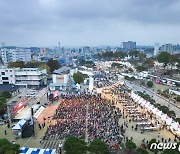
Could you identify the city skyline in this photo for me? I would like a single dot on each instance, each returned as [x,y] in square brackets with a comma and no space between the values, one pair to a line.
[89,22]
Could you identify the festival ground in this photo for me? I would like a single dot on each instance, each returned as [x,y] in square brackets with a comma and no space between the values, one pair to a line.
[34,142]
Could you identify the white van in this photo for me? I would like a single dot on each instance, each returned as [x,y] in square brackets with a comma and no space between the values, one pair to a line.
[170,83]
[32,93]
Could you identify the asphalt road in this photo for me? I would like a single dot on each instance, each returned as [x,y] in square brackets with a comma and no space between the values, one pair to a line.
[155,96]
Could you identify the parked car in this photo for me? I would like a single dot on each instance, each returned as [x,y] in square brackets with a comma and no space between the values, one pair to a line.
[2,122]
[31,93]
[170,83]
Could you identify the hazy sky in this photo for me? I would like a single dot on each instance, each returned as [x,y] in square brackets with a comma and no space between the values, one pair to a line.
[89,22]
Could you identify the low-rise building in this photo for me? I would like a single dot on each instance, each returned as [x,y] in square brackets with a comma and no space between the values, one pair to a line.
[60,79]
[28,77]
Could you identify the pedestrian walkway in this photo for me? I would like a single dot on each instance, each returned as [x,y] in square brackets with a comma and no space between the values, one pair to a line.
[86,133]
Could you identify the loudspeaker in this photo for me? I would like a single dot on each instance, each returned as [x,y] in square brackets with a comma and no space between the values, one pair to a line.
[27,130]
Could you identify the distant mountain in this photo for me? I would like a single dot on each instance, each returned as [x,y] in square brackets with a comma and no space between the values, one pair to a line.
[10,47]
[34,48]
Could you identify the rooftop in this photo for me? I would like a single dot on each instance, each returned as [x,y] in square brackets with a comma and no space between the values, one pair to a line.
[8,87]
[62,70]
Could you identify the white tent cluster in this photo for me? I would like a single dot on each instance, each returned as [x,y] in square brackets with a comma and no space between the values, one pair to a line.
[174,126]
[25,150]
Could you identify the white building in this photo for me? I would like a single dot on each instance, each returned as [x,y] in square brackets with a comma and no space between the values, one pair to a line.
[167,48]
[28,77]
[7,76]
[60,79]
[17,54]
[156,49]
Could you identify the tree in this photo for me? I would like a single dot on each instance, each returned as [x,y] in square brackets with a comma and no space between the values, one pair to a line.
[89,64]
[2,103]
[178,63]
[133,53]
[130,145]
[170,151]
[20,64]
[172,114]
[140,68]
[7,147]
[45,66]
[141,56]
[141,151]
[6,95]
[148,63]
[98,147]
[53,65]
[149,145]
[173,59]
[178,98]
[74,145]
[78,77]
[164,57]
[164,109]
[178,120]
[34,64]
[116,65]
[149,83]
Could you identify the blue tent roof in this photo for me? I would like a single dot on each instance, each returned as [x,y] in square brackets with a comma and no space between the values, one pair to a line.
[25,150]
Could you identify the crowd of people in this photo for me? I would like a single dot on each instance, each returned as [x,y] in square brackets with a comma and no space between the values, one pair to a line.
[103,119]
[70,118]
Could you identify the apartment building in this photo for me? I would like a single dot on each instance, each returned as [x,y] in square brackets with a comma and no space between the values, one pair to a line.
[17,54]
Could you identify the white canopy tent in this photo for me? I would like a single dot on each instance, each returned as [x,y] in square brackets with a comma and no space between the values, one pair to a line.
[169,120]
[137,98]
[147,104]
[163,117]
[19,125]
[175,125]
[155,110]
[143,102]
[159,113]
[150,107]
[140,100]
